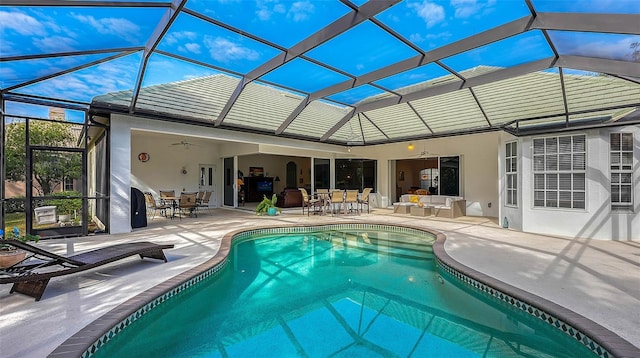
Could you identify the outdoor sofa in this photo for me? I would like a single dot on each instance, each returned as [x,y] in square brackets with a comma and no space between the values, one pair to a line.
[440,205]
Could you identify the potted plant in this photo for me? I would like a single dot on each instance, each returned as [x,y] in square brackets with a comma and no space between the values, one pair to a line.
[268,206]
[10,255]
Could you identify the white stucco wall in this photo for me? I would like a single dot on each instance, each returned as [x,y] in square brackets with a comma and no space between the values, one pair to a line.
[163,171]
[478,166]
[120,189]
[596,221]
[132,135]
[482,172]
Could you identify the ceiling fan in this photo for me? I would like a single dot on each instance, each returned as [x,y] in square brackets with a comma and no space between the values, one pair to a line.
[424,154]
[183,143]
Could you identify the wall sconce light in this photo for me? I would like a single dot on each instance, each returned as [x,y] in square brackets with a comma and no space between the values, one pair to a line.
[410,146]
[349,149]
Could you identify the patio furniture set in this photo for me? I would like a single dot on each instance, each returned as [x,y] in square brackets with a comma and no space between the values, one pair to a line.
[431,205]
[170,205]
[324,201]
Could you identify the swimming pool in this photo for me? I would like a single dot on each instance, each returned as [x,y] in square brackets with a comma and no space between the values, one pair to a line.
[359,290]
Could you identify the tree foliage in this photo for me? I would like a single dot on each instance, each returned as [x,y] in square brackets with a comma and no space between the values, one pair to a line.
[50,168]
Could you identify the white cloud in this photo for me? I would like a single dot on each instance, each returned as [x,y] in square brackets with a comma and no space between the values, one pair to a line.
[55,44]
[279,9]
[226,51]
[416,37]
[119,27]
[83,85]
[266,8]
[7,74]
[301,10]
[178,36]
[21,23]
[440,35]
[263,14]
[431,13]
[618,50]
[465,8]
[468,8]
[192,47]
[7,48]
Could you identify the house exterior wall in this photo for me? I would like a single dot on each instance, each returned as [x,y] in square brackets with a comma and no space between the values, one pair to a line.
[478,166]
[596,221]
[132,135]
[120,185]
[482,175]
[163,171]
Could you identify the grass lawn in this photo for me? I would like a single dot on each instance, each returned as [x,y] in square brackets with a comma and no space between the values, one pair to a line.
[19,220]
[15,219]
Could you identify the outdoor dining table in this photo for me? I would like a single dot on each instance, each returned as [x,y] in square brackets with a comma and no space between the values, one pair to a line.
[325,199]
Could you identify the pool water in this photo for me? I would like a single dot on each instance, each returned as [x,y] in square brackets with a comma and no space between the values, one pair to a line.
[351,293]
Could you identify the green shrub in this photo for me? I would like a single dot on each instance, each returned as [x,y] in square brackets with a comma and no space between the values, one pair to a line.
[14,205]
[66,206]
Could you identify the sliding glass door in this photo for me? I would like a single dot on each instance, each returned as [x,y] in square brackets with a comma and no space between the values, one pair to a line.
[355,174]
[449,176]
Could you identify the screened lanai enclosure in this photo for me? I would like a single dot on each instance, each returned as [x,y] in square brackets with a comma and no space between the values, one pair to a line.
[337,72]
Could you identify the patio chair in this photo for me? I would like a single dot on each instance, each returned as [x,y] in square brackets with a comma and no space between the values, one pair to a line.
[155,206]
[167,197]
[308,202]
[199,197]
[167,194]
[351,200]
[188,204]
[30,277]
[204,201]
[337,197]
[364,199]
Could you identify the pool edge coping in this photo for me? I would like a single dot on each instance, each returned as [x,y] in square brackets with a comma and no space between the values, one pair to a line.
[609,340]
[98,332]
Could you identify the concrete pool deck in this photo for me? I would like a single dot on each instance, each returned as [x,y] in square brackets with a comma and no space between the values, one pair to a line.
[597,279]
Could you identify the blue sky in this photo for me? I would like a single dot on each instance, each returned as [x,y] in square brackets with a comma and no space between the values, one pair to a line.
[282,24]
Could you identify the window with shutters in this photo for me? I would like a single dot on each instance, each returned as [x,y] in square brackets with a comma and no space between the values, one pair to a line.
[559,172]
[511,172]
[621,146]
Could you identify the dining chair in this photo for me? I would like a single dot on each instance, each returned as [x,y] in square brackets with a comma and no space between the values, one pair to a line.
[364,199]
[308,202]
[351,200]
[188,204]
[204,201]
[167,193]
[155,206]
[337,197]
[323,195]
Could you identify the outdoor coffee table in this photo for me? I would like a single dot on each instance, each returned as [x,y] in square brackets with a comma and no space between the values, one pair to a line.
[420,211]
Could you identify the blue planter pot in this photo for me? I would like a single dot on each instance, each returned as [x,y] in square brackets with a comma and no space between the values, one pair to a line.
[272,211]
